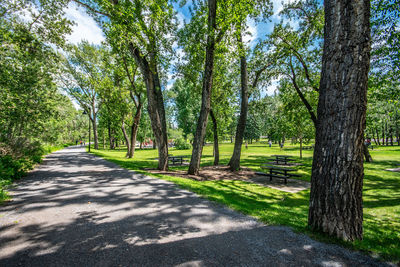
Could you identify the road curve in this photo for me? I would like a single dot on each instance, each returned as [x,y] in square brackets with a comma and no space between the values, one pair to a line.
[80,210]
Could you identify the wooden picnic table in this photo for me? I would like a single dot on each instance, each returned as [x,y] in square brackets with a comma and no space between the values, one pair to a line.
[281,159]
[278,172]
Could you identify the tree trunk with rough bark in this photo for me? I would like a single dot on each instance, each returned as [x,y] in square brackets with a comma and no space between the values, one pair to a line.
[234,163]
[337,173]
[198,140]
[215,131]
[155,103]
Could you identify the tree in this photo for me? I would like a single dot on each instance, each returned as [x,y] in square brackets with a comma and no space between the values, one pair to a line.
[29,98]
[146,29]
[337,170]
[206,89]
[83,79]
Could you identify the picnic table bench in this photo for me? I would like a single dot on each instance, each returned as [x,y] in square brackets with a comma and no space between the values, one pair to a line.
[308,147]
[176,160]
[278,172]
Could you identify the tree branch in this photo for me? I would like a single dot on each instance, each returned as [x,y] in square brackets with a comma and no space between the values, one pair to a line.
[91,8]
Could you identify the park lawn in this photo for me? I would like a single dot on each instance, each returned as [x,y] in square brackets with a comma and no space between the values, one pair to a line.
[381,192]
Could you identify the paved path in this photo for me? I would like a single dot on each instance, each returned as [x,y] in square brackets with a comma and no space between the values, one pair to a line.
[79,210]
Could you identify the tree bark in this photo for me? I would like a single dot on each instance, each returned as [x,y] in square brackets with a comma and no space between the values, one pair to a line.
[94,121]
[337,172]
[126,138]
[206,90]
[234,163]
[366,153]
[155,103]
[215,131]
[134,129]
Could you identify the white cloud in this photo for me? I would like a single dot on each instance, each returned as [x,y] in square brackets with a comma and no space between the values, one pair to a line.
[252,32]
[270,90]
[85,29]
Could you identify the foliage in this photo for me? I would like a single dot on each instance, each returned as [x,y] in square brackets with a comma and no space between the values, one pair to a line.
[181,144]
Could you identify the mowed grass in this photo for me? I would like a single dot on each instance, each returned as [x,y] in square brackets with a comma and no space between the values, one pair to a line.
[381,192]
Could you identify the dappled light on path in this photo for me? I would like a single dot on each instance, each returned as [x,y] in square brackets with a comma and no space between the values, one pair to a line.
[76,209]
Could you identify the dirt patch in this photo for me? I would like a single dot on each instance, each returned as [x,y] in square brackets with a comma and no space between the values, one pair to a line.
[222,172]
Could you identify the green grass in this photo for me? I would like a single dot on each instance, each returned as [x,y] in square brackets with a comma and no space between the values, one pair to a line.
[274,207]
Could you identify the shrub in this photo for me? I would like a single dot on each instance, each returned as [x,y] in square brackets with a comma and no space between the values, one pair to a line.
[181,144]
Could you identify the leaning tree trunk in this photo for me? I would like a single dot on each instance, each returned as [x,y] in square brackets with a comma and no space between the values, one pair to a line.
[155,103]
[206,90]
[337,172]
[215,131]
[134,129]
[128,145]
[234,163]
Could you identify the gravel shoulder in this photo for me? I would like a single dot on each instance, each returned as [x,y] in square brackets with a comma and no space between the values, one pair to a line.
[80,210]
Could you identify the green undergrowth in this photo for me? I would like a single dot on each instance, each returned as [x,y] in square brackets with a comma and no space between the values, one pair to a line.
[15,166]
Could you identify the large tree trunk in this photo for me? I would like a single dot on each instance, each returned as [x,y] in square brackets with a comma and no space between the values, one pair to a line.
[134,129]
[155,103]
[234,163]
[337,171]
[215,131]
[206,90]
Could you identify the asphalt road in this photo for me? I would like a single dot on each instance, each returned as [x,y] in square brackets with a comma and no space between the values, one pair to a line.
[80,210]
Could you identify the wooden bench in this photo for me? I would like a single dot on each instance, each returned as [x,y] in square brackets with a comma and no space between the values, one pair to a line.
[176,160]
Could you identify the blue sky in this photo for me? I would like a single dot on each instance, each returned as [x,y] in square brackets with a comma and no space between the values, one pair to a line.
[87,29]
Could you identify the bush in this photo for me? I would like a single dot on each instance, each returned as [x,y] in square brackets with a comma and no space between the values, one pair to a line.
[18,157]
[181,144]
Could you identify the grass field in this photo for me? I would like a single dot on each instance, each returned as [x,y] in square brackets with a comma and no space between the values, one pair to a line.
[381,192]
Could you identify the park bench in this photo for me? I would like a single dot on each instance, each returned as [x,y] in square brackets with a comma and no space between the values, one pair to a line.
[176,160]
